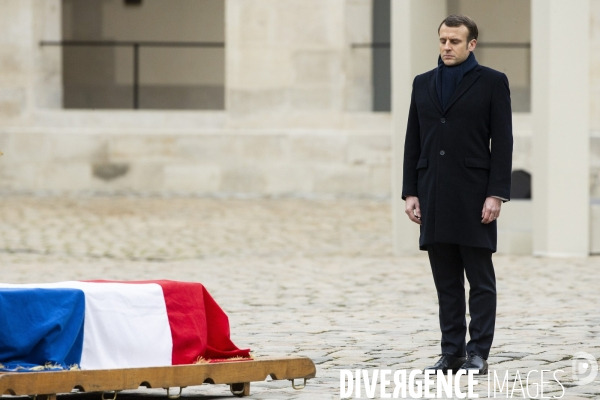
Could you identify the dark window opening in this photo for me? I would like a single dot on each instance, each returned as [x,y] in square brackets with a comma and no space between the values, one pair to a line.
[520,185]
[381,61]
[151,56]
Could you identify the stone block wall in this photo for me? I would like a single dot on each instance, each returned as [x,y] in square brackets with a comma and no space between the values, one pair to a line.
[297,118]
[219,161]
[285,56]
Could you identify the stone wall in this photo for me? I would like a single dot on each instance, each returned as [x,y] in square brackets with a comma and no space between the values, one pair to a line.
[169,77]
[172,157]
[295,57]
[30,75]
[297,119]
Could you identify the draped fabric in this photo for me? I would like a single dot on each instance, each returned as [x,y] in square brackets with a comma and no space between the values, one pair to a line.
[121,325]
[41,326]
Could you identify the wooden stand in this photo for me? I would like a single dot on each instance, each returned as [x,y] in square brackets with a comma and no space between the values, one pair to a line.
[237,375]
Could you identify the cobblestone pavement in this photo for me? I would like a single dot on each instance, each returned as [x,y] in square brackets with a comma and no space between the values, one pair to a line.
[306,277]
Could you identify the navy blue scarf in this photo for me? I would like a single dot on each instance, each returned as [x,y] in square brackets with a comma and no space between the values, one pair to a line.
[448,78]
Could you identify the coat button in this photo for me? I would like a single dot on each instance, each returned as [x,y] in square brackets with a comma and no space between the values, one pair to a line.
[443,120]
[442,152]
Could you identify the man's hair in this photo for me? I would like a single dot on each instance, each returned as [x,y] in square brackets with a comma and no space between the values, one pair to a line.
[455,20]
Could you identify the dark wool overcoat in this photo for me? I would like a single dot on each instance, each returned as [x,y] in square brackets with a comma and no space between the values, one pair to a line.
[455,158]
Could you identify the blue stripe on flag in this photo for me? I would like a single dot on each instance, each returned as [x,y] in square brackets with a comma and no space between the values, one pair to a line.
[41,327]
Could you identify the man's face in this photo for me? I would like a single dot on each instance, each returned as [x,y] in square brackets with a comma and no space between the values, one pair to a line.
[454,48]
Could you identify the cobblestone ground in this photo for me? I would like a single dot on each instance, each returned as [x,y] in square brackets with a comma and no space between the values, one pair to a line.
[304,277]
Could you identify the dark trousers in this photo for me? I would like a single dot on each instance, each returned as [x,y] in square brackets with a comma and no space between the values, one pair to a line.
[449,263]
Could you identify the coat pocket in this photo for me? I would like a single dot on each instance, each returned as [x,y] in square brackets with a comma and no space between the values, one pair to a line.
[477,162]
[422,163]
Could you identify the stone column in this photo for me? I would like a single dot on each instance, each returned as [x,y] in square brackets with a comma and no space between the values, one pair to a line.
[16,46]
[47,60]
[284,58]
[30,76]
[560,107]
[414,51]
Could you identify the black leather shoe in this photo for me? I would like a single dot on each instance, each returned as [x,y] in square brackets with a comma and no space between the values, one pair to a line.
[475,362]
[447,362]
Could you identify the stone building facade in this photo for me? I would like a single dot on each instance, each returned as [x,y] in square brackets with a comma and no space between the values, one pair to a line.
[285,107]
[296,118]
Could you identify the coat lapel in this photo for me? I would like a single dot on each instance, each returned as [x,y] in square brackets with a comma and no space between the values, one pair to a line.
[433,92]
[464,85]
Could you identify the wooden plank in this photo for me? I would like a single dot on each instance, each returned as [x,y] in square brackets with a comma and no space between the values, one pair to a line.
[30,383]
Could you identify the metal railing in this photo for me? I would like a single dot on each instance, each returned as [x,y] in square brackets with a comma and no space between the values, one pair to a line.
[386,45]
[135,45]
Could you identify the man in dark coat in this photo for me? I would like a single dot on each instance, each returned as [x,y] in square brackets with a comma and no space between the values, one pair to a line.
[457,167]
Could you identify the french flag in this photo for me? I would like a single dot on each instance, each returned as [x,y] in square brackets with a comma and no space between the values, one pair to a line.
[110,324]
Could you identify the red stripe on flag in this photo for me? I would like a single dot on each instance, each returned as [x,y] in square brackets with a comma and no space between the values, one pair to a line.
[199,327]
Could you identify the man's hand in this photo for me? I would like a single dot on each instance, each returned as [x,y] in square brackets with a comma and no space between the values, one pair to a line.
[413,210]
[491,210]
